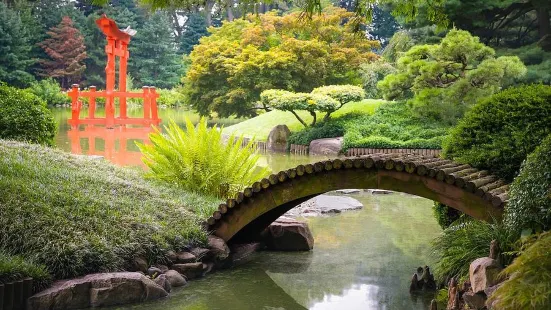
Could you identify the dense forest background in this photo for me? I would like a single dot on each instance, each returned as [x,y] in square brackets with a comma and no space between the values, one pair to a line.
[37,42]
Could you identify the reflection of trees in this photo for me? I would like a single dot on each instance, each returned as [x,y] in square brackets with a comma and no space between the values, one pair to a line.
[371,246]
[244,288]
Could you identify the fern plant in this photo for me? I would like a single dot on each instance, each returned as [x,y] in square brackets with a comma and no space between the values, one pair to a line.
[199,160]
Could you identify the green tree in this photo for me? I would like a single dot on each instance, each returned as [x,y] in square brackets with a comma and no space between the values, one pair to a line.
[231,67]
[155,61]
[194,29]
[444,80]
[15,49]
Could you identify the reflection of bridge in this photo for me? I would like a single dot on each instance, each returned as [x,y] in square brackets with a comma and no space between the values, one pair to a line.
[122,155]
[476,193]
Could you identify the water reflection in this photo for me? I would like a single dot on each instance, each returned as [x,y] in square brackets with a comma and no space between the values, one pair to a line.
[115,144]
[361,297]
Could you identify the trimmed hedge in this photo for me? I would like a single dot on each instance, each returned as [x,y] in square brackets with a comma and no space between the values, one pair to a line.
[529,206]
[498,133]
[24,117]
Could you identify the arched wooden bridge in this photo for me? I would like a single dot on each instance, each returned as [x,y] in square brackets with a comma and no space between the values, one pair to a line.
[474,192]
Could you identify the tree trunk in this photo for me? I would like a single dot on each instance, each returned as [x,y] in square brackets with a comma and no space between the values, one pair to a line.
[229,10]
[544,25]
[208,12]
[314,116]
[299,119]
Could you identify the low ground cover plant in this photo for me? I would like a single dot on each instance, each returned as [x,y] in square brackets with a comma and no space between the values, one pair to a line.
[14,268]
[78,216]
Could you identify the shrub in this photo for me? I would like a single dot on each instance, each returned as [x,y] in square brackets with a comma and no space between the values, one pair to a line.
[197,160]
[24,117]
[335,127]
[372,73]
[528,285]
[393,126]
[463,242]
[501,131]
[529,206]
[14,268]
[170,98]
[445,216]
[50,91]
[78,216]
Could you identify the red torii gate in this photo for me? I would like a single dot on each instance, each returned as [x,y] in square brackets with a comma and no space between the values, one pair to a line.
[117,46]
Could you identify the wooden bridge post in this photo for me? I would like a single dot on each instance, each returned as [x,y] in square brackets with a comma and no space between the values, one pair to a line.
[110,83]
[92,103]
[123,59]
[154,95]
[146,104]
[75,104]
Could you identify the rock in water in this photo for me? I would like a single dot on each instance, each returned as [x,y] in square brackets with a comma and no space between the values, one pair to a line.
[277,139]
[325,204]
[163,282]
[97,290]
[483,273]
[190,270]
[475,300]
[219,250]
[327,146]
[288,235]
[175,278]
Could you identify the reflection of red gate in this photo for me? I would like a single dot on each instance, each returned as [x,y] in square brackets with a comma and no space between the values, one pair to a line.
[117,46]
[121,155]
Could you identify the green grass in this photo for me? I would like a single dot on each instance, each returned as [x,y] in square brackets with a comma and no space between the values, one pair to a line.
[77,215]
[14,268]
[260,126]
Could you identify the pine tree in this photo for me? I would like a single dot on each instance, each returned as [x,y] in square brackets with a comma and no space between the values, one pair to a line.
[194,29]
[67,52]
[153,53]
[14,49]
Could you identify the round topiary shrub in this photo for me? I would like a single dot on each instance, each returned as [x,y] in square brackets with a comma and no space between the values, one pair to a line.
[499,132]
[529,205]
[24,117]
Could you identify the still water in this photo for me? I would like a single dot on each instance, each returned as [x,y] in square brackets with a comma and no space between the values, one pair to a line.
[361,259]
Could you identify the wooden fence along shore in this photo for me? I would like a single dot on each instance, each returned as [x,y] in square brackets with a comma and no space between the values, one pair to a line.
[365,151]
[14,295]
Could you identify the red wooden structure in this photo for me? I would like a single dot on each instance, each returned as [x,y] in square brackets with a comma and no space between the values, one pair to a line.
[117,46]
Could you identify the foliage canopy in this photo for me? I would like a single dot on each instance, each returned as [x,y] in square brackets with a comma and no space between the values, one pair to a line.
[500,132]
[231,67]
[444,80]
[529,206]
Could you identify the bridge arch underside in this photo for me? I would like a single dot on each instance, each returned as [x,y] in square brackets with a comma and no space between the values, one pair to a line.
[244,218]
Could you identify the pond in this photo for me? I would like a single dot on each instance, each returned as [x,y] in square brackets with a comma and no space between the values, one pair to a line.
[361,259]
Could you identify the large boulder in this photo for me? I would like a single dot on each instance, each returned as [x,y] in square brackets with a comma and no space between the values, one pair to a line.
[483,273]
[475,300]
[97,290]
[325,204]
[190,270]
[219,250]
[286,234]
[175,278]
[184,258]
[277,139]
[327,146]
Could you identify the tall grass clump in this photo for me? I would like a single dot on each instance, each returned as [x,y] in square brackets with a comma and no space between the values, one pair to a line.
[199,160]
[14,268]
[78,216]
[529,278]
[463,242]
